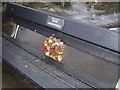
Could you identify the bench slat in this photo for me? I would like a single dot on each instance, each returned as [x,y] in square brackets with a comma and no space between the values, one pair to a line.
[78,69]
[90,33]
[37,71]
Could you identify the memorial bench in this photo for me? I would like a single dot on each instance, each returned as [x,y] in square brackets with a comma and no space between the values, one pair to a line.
[91,60]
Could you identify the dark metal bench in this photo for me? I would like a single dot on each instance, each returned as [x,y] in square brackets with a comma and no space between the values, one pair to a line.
[91,60]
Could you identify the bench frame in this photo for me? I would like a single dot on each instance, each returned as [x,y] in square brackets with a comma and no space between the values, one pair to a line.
[89,33]
[76,32]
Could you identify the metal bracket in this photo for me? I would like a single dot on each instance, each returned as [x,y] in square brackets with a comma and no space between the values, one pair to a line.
[117,86]
[16,29]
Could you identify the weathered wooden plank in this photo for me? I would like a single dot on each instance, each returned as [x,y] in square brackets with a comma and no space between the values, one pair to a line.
[29,70]
[94,74]
[93,34]
[82,45]
[82,66]
[28,58]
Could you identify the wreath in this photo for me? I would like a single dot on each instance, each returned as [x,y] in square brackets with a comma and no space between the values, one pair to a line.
[54,48]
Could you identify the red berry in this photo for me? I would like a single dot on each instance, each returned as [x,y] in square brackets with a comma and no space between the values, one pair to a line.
[53,47]
[61,51]
[57,59]
[51,51]
[46,41]
[55,53]
[44,49]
